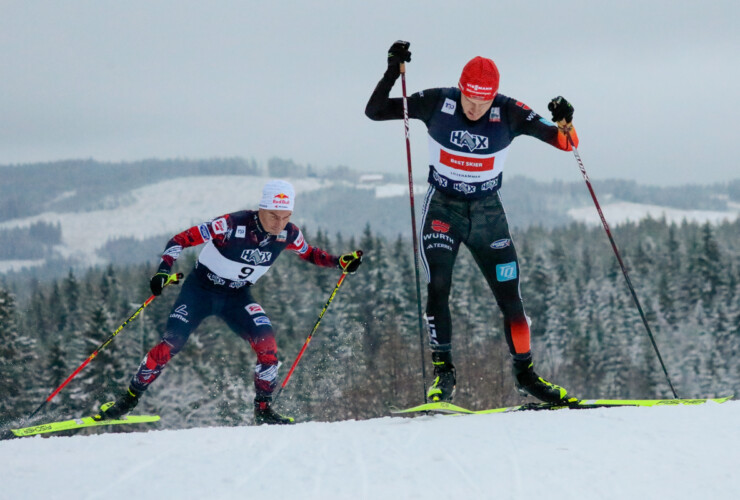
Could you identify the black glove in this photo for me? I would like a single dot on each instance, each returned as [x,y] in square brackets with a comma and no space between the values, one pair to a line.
[349,262]
[158,282]
[399,53]
[560,109]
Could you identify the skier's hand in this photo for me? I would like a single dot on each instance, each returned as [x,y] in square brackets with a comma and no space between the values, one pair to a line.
[349,262]
[158,282]
[562,112]
[399,53]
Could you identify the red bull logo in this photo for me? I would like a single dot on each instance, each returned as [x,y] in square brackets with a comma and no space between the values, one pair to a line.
[281,199]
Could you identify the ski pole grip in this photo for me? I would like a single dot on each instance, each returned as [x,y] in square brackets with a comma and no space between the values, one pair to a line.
[403,67]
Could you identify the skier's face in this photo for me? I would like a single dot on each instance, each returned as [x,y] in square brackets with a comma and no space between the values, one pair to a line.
[274,221]
[474,109]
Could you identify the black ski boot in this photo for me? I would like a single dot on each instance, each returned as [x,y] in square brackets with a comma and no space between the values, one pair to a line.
[264,414]
[443,387]
[528,382]
[122,406]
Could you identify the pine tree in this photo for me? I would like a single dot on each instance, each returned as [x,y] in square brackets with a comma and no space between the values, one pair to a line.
[17,363]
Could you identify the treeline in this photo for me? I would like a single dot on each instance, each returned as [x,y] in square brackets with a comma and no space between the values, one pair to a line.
[587,334]
[33,242]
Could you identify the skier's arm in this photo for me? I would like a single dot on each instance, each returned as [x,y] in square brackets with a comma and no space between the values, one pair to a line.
[314,255]
[216,230]
[382,107]
[525,121]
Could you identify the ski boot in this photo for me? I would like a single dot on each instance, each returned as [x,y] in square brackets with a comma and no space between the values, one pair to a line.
[443,387]
[122,406]
[528,382]
[264,414]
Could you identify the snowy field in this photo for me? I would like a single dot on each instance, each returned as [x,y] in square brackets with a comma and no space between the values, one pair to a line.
[165,207]
[618,453]
[622,212]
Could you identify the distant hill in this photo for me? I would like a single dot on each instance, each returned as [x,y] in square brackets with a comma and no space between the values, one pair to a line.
[82,213]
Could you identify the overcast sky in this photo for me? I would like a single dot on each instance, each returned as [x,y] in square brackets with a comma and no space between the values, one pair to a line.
[654,83]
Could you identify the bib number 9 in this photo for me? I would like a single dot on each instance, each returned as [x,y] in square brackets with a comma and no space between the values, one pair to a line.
[246,272]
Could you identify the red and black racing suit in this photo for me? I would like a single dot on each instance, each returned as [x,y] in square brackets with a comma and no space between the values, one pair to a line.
[462,204]
[238,252]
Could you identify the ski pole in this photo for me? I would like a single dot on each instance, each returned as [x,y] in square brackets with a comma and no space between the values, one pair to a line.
[621,263]
[310,335]
[173,279]
[413,228]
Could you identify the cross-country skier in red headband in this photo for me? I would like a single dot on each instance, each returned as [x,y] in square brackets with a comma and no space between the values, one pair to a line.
[471,127]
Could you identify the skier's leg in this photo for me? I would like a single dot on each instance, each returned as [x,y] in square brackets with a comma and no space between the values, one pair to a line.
[248,319]
[495,253]
[440,241]
[441,234]
[193,304]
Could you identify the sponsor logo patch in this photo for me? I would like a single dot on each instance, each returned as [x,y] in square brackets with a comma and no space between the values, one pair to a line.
[441,246]
[219,226]
[253,309]
[241,231]
[204,232]
[506,272]
[256,256]
[439,226]
[173,251]
[281,199]
[495,115]
[432,330]
[217,280]
[180,312]
[266,372]
[488,185]
[465,162]
[439,179]
[464,188]
[262,320]
[282,236]
[499,244]
[439,236]
[464,139]
[449,106]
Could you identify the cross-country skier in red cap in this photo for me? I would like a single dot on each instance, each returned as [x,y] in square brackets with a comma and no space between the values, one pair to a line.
[471,127]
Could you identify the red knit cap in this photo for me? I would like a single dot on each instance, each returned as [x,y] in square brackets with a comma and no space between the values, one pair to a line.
[479,79]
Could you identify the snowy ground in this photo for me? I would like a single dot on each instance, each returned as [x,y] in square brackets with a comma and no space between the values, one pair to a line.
[618,453]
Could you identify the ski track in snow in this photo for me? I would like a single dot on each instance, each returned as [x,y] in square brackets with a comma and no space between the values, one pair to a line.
[682,452]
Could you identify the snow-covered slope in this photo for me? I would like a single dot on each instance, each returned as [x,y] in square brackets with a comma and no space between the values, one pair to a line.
[623,211]
[618,453]
[162,208]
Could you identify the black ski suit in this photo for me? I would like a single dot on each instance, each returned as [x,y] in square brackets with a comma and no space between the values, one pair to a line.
[462,204]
